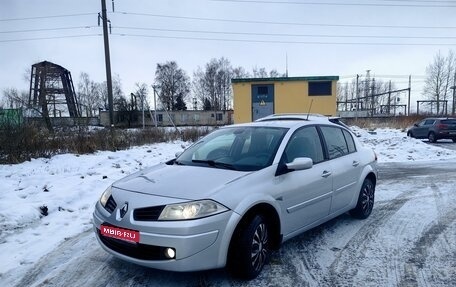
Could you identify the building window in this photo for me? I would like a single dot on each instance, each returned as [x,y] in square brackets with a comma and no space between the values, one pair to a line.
[263,90]
[321,88]
[219,117]
[196,117]
[160,117]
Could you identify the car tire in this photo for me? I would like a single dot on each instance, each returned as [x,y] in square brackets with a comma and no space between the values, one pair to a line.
[251,250]
[365,202]
[410,134]
[454,140]
[431,137]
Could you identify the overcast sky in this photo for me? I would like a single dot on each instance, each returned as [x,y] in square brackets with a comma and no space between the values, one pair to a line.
[315,35]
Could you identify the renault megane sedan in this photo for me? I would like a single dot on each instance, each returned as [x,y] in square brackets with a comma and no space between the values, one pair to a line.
[237,194]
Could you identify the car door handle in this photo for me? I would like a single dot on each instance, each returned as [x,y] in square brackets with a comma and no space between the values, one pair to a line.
[355,163]
[326,173]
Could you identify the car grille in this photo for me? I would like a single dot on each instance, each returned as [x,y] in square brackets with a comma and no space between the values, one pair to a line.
[135,250]
[111,204]
[148,213]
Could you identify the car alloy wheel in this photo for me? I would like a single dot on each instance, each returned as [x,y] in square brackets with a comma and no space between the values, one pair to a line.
[365,202]
[367,198]
[259,247]
[249,251]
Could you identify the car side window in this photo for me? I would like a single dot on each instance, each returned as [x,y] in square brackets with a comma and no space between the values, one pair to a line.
[335,141]
[429,122]
[304,143]
[350,142]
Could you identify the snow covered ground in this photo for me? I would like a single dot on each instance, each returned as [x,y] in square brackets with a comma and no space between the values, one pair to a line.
[65,188]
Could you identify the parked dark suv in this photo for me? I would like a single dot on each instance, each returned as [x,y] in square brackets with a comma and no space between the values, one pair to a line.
[434,129]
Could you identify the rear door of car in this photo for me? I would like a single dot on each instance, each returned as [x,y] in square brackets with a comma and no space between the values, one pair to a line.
[345,165]
[449,126]
[306,194]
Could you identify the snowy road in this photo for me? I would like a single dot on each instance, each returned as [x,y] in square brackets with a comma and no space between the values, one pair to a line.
[409,240]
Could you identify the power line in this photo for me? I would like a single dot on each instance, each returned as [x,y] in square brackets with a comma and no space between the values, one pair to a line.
[337,4]
[49,38]
[285,42]
[286,23]
[48,29]
[284,34]
[46,17]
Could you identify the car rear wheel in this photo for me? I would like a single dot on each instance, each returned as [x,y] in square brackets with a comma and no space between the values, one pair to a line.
[251,250]
[365,200]
[431,137]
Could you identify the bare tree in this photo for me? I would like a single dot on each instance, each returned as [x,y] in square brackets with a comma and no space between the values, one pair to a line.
[14,99]
[173,84]
[260,72]
[89,95]
[439,78]
[240,72]
[212,86]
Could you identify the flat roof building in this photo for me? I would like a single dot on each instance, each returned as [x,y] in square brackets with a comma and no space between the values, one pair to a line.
[255,98]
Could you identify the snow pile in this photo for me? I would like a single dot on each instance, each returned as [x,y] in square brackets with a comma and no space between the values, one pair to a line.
[44,201]
[394,146]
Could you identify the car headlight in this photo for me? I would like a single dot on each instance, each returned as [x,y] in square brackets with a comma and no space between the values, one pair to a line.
[191,210]
[105,196]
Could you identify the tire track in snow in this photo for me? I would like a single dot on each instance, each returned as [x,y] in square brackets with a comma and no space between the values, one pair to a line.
[418,255]
[345,265]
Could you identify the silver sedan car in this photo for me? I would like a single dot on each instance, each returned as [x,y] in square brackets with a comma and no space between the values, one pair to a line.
[236,194]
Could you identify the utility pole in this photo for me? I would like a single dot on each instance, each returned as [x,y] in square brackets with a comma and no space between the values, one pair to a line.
[104,17]
[357,97]
[409,94]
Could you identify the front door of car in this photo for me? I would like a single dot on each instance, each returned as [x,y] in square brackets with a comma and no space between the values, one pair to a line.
[305,195]
[423,128]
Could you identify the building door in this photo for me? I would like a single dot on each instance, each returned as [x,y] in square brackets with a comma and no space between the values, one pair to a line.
[262,101]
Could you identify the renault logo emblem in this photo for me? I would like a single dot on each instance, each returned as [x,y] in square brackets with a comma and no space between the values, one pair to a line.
[121,212]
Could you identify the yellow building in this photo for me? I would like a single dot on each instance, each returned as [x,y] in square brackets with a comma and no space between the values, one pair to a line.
[260,97]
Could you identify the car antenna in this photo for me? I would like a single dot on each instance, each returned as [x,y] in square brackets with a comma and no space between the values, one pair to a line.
[310,107]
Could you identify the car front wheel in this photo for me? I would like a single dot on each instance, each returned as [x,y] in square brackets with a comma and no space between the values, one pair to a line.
[252,249]
[365,200]
[431,137]
[410,134]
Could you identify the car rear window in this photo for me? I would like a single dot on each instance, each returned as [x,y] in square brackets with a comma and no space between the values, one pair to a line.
[449,122]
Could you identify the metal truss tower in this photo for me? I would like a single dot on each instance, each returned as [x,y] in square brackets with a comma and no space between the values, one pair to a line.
[52,90]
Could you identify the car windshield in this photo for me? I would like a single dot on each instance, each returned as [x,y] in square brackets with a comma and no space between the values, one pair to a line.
[243,148]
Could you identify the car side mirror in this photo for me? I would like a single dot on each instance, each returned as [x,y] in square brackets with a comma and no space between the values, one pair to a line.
[415,125]
[300,163]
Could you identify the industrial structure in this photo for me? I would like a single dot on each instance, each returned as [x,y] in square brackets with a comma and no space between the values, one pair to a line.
[52,91]
[259,97]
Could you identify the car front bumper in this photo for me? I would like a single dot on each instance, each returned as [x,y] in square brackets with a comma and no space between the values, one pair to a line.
[199,244]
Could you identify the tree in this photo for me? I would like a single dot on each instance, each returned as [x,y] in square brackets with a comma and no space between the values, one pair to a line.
[173,83]
[260,72]
[212,86]
[439,79]
[89,95]
[14,99]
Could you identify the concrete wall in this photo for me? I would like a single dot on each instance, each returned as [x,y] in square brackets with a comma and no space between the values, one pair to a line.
[179,118]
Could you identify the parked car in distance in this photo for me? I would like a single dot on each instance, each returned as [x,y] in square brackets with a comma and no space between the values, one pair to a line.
[237,194]
[434,129]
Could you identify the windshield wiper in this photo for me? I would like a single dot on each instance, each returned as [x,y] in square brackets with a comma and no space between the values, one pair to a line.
[215,163]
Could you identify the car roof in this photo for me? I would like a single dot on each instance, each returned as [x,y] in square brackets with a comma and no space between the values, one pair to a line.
[290,120]
[292,116]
